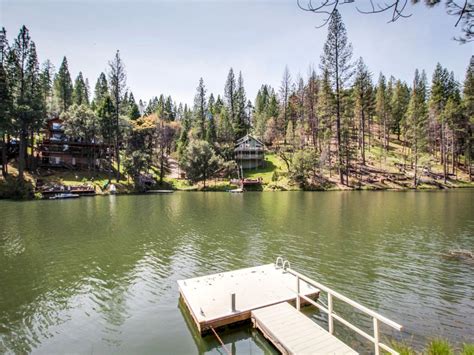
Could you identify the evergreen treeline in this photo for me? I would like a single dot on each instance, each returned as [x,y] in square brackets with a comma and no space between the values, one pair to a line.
[319,126]
[329,121]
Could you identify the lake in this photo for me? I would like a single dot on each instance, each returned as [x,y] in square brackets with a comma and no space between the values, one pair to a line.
[98,275]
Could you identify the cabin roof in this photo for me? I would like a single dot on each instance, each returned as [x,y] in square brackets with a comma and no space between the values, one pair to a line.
[247,138]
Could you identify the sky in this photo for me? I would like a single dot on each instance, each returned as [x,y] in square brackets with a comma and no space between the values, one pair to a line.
[168,45]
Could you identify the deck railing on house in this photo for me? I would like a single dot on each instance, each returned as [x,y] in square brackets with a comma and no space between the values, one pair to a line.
[331,295]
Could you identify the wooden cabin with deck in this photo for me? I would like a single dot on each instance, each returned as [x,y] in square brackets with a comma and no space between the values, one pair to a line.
[58,150]
[249,152]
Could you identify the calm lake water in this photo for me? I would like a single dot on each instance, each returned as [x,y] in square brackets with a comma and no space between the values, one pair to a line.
[98,275]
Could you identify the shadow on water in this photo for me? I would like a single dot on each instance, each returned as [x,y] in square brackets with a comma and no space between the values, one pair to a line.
[238,339]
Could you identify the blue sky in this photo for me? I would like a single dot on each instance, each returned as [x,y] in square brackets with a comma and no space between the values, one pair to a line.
[168,45]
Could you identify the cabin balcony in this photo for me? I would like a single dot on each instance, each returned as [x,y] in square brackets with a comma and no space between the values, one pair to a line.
[243,156]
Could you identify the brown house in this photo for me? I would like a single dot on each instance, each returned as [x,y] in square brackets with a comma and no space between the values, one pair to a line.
[58,150]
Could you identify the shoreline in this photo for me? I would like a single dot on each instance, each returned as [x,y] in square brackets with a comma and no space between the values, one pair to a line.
[134,193]
[218,189]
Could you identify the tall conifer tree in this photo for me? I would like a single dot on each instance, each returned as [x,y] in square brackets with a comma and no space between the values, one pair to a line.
[63,88]
[336,60]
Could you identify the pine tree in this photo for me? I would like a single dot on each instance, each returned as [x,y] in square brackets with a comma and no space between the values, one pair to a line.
[230,93]
[285,91]
[105,112]
[101,90]
[134,111]
[310,104]
[325,111]
[456,121]
[200,110]
[437,103]
[3,46]
[5,117]
[211,104]
[63,88]
[260,112]
[468,108]
[200,161]
[417,120]
[34,94]
[211,134]
[239,123]
[348,135]
[6,104]
[382,109]
[79,94]
[363,102]
[336,60]
[117,85]
[186,123]
[26,92]
[46,77]
[399,104]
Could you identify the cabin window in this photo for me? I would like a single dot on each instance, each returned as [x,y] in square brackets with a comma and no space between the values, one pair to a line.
[57,125]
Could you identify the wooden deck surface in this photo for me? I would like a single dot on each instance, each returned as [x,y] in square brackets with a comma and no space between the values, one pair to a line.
[291,332]
[208,298]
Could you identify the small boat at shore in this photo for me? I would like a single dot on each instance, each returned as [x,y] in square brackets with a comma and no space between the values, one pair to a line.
[63,196]
[236,191]
[160,191]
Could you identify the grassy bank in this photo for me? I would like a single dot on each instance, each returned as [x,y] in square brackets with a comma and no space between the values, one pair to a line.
[436,346]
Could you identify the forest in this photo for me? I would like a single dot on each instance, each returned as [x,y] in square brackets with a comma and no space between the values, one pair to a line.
[340,126]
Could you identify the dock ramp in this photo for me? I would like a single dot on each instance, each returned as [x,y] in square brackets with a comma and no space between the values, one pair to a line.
[291,332]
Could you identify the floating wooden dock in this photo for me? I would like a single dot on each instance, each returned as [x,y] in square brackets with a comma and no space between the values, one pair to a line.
[229,297]
[262,294]
[291,332]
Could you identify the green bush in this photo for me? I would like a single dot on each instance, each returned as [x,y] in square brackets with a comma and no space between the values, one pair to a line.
[467,349]
[439,347]
[275,176]
[12,188]
[402,347]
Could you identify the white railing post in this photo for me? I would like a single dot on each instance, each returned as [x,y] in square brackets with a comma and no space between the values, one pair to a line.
[330,319]
[375,339]
[376,336]
[298,302]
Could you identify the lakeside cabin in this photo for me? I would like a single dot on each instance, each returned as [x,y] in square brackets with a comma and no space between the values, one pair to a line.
[59,150]
[249,152]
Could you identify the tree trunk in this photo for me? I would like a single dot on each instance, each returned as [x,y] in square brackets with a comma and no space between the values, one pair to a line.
[369,129]
[443,151]
[338,119]
[30,157]
[415,182]
[162,165]
[21,154]
[4,157]
[117,158]
[363,137]
[452,154]
[110,162]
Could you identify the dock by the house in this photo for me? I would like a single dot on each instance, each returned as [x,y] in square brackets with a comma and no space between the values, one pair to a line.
[262,294]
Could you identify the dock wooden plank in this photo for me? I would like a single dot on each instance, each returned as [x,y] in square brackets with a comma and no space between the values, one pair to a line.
[294,333]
